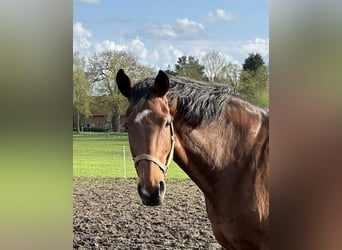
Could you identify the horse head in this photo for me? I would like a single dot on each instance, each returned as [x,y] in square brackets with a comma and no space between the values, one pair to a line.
[150,134]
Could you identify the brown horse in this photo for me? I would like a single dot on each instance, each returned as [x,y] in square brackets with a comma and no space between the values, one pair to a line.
[219,140]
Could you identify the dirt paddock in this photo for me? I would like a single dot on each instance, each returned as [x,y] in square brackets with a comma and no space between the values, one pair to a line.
[108,214]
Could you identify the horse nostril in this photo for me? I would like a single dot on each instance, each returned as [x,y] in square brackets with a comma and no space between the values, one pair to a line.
[142,191]
[161,187]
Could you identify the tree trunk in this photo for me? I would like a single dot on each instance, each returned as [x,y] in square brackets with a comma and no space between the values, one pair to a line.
[78,121]
[118,122]
[114,123]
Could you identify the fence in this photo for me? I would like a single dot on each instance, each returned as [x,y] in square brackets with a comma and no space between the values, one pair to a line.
[107,155]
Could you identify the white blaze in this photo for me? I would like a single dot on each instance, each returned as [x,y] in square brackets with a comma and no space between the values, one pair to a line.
[140,116]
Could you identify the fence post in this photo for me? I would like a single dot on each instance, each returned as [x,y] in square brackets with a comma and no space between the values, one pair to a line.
[124,157]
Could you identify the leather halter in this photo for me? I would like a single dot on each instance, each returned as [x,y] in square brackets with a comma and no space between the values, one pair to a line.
[162,166]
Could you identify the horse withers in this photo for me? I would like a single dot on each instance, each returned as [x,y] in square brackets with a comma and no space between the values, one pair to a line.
[218,139]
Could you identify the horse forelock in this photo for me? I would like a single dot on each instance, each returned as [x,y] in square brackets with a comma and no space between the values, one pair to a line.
[141,90]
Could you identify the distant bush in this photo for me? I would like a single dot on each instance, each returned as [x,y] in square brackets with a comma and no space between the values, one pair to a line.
[97,129]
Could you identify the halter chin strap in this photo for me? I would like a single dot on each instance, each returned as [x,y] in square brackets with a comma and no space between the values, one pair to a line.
[161,165]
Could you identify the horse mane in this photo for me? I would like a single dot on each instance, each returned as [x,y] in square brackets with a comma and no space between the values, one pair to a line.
[196,101]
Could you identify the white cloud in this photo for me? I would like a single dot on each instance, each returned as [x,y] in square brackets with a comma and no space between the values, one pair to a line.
[138,44]
[138,48]
[221,15]
[258,45]
[81,37]
[135,46]
[163,52]
[200,48]
[160,56]
[168,54]
[154,55]
[182,29]
[109,45]
[189,29]
[160,32]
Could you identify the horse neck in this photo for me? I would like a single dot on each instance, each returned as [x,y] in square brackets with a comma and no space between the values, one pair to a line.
[208,152]
[190,159]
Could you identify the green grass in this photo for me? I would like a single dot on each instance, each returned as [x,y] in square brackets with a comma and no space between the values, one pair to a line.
[102,155]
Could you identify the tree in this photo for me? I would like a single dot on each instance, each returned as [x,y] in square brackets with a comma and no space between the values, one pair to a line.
[254,86]
[169,70]
[253,62]
[190,67]
[81,90]
[213,62]
[103,69]
[230,75]
[254,80]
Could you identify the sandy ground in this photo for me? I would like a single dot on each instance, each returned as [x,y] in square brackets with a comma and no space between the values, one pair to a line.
[108,214]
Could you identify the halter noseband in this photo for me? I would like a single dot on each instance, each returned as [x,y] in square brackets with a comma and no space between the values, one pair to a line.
[161,165]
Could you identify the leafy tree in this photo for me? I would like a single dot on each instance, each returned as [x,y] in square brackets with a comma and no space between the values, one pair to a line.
[230,75]
[253,62]
[190,67]
[82,89]
[254,86]
[169,70]
[254,80]
[181,64]
[213,62]
[103,69]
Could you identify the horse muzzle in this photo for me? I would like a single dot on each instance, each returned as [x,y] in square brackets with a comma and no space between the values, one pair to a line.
[155,198]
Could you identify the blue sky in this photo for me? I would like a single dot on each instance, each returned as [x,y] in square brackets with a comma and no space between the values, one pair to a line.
[158,32]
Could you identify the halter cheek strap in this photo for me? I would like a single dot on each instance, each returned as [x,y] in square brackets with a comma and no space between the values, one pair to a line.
[162,166]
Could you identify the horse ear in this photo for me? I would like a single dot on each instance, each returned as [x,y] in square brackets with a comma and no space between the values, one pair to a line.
[124,83]
[161,84]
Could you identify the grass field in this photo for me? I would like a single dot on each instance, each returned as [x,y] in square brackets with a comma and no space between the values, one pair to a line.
[102,155]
